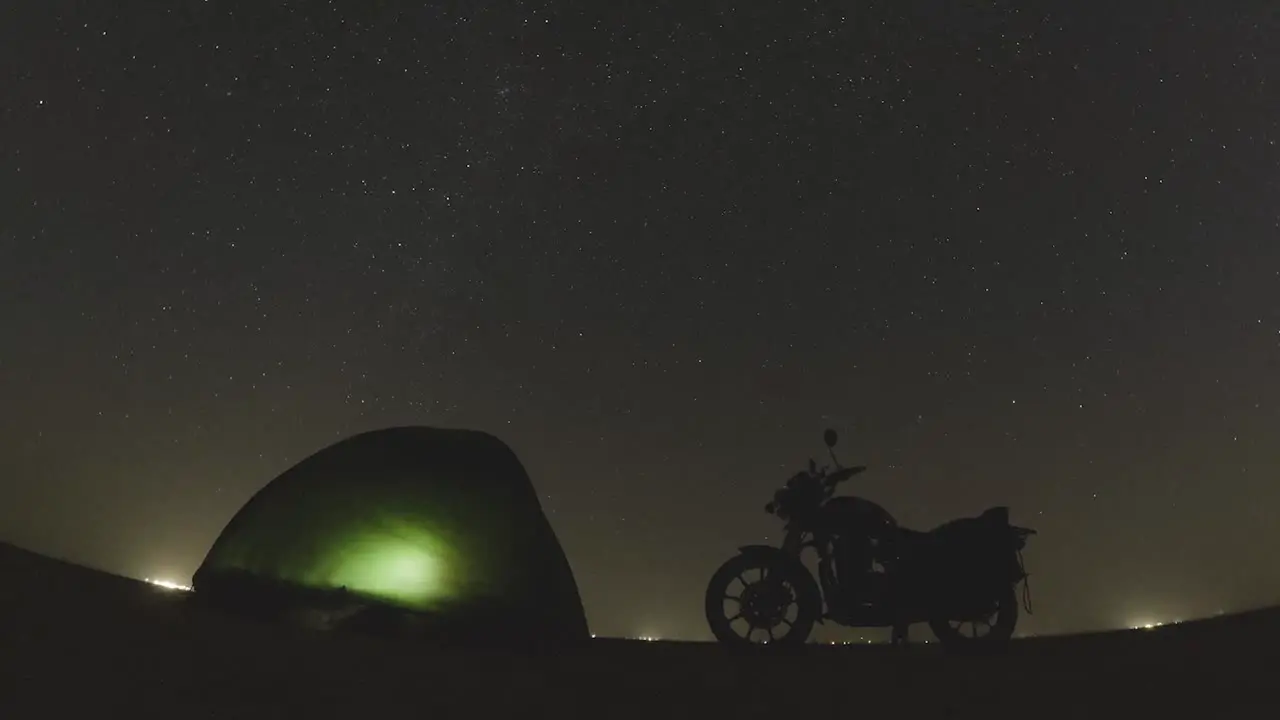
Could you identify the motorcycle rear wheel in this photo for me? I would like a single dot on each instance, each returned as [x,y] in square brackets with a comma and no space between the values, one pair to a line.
[751,599]
[998,626]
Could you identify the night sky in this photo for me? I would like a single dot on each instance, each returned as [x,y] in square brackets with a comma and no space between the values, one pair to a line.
[1017,253]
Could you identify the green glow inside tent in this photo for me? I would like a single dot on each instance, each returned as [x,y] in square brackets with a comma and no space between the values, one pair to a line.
[401,552]
[405,564]
[437,520]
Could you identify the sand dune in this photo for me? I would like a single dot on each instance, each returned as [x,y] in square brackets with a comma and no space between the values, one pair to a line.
[74,640]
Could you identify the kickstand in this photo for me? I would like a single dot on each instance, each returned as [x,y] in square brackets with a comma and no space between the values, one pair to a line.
[900,638]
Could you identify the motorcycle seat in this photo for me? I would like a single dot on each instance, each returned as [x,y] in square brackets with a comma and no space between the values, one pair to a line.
[911,537]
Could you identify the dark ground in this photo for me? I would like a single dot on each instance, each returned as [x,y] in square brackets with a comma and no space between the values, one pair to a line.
[79,641]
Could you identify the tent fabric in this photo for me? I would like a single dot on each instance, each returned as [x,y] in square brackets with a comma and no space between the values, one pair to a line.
[442,523]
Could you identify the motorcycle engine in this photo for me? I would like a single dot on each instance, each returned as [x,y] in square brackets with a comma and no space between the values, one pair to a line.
[851,572]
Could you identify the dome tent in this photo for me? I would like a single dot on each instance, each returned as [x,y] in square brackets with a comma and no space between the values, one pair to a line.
[442,526]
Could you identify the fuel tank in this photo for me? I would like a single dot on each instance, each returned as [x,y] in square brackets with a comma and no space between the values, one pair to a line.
[846,515]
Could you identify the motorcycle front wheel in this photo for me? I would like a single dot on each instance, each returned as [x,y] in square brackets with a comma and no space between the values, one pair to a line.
[753,600]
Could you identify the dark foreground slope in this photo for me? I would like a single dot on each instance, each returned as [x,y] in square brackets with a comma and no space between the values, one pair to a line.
[75,640]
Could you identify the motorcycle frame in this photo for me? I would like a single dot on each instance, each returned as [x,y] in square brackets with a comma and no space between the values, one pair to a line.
[896,614]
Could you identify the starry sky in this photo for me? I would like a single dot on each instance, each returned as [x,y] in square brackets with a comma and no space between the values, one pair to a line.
[1022,253]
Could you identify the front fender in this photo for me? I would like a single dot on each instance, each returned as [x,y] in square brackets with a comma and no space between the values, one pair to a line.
[762,552]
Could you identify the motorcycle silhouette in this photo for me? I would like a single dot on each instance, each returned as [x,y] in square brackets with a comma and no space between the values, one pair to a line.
[871,571]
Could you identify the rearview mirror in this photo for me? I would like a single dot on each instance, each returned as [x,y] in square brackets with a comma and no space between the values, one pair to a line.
[829,437]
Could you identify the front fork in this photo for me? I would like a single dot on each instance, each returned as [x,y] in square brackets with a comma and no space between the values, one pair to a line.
[793,543]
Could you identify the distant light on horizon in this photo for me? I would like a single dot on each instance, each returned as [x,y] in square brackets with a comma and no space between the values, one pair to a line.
[1152,624]
[168,584]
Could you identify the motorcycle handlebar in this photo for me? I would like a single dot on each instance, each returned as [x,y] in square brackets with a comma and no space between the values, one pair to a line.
[843,474]
[830,480]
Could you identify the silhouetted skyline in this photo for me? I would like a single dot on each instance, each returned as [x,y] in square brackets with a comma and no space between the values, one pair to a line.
[1016,253]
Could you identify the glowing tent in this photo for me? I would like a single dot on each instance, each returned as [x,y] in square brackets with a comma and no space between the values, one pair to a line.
[441,526]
